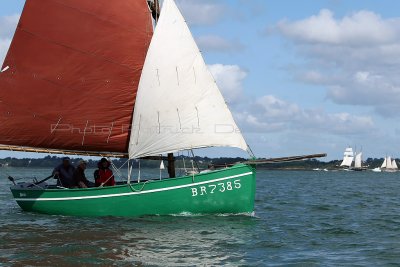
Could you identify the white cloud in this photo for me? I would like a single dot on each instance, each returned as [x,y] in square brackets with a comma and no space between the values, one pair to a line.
[362,76]
[270,114]
[4,45]
[218,44]
[357,57]
[204,12]
[312,77]
[8,25]
[361,28]
[368,89]
[256,123]
[7,29]
[338,123]
[276,109]
[229,79]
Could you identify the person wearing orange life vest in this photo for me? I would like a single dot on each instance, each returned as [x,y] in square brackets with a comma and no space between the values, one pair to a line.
[104,176]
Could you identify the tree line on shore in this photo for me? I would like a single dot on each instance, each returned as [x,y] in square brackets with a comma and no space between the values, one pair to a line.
[182,162]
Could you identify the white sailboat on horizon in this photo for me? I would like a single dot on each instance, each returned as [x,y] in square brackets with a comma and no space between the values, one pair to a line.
[394,164]
[389,165]
[348,157]
[358,163]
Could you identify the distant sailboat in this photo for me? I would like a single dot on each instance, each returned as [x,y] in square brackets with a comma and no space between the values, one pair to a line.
[394,165]
[348,157]
[358,163]
[389,165]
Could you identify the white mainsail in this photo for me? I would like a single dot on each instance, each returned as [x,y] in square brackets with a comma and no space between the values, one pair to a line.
[358,160]
[389,163]
[394,165]
[178,105]
[348,157]
[384,164]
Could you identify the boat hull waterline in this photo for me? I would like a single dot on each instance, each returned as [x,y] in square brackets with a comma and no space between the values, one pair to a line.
[230,190]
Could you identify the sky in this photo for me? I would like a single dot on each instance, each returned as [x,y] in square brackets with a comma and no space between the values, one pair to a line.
[300,77]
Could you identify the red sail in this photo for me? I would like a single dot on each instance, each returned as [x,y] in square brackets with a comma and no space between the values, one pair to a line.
[70,77]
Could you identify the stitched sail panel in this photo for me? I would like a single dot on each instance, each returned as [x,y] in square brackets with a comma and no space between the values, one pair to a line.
[72,73]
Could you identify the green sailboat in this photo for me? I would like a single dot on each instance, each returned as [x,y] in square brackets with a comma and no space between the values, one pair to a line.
[230,190]
[174,106]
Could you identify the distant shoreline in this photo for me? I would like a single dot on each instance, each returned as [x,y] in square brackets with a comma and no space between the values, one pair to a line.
[181,162]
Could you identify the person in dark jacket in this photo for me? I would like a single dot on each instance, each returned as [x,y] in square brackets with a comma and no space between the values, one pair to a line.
[79,176]
[64,173]
[104,176]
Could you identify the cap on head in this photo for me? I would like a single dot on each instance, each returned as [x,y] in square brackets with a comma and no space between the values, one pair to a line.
[103,160]
[82,162]
[66,159]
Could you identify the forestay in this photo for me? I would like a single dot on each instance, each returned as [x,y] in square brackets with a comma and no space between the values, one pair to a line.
[178,105]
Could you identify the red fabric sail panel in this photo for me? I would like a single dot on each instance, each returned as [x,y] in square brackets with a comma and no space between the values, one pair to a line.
[74,69]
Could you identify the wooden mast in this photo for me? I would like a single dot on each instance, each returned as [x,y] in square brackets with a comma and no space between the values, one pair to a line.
[155,9]
[171,165]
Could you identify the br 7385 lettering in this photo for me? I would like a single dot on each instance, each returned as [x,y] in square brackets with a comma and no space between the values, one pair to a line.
[216,188]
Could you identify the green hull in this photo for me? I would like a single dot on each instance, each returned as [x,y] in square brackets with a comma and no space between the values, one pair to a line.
[230,190]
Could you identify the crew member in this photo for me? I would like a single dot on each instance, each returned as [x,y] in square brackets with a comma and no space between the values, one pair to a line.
[64,173]
[79,176]
[104,176]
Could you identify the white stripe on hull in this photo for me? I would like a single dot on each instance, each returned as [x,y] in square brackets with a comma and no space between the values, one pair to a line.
[134,193]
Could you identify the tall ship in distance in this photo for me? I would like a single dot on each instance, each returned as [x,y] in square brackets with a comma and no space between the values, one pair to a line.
[352,161]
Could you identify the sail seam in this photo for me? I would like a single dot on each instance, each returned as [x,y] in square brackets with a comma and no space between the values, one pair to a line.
[179,118]
[140,119]
[177,75]
[198,118]
[159,124]
[194,74]
[158,77]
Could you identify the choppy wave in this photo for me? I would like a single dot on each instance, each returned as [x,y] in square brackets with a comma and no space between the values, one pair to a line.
[189,214]
[301,218]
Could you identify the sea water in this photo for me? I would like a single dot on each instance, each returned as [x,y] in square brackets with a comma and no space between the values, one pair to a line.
[302,218]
